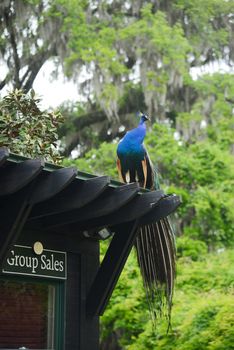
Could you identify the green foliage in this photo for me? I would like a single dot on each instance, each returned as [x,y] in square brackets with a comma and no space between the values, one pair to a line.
[213,272]
[187,247]
[99,161]
[202,315]
[154,43]
[202,173]
[154,35]
[126,313]
[201,19]
[27,130]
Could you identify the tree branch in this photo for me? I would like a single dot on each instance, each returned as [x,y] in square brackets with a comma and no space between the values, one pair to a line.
[25,76]
[4,81]
[37,62]
[80,123]
[92,118]
[11,31]
[229,100]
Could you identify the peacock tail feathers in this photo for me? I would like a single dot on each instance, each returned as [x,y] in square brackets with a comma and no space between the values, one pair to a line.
[155,248]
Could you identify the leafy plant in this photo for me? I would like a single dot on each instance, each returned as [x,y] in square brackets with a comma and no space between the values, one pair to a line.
[191,248]
[26,129]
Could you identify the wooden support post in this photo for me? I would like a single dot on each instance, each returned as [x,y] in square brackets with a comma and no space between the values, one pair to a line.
[111,268]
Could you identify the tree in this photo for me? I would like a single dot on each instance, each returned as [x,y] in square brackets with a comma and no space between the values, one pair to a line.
[29,37]
[31,34]
[135,54]
[152,45]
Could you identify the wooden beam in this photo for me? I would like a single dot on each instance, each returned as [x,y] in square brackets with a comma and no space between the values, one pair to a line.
[76,195]
[51,183]
[165,207]
[110,200]
[137,208]
[111,268]
[132,210]
[15,176]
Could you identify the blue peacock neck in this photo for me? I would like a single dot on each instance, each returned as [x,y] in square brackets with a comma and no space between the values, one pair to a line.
[142,126]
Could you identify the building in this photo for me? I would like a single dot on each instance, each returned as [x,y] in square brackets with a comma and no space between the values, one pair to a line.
[52,287]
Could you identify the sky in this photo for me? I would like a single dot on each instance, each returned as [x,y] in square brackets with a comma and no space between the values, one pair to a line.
[54,92]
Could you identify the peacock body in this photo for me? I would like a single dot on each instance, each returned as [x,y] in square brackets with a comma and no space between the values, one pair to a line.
[155,243]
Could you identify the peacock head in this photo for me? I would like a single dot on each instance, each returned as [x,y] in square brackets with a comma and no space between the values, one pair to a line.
[143,117]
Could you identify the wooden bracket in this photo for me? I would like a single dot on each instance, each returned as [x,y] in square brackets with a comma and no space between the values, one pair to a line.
[111,268]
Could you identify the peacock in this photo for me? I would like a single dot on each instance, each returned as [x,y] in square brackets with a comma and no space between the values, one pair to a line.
[155,243]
